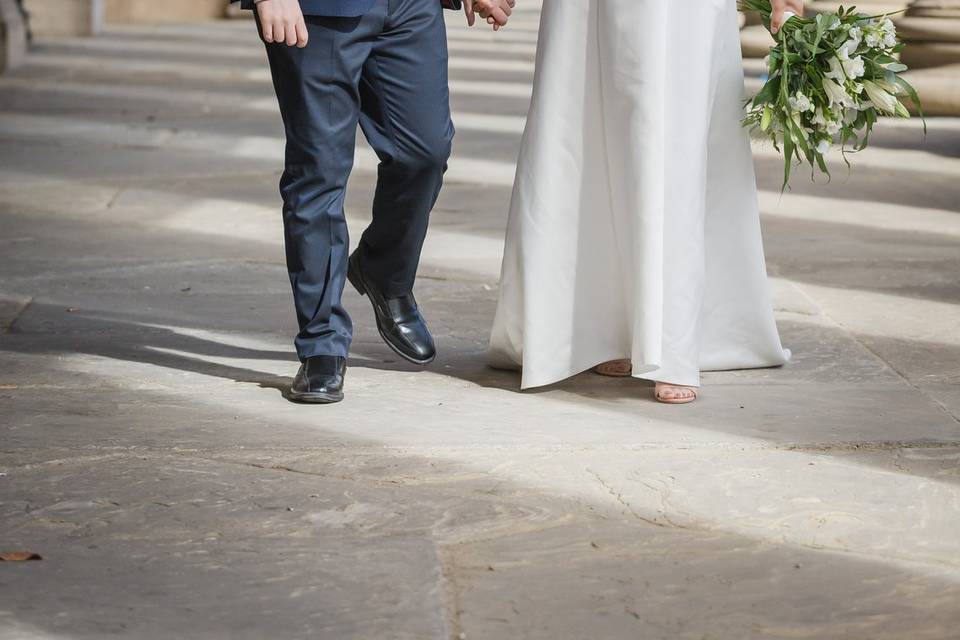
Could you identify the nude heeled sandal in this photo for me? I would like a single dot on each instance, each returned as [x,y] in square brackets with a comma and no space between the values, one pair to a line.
[624,368]
[681,400]
[615,369]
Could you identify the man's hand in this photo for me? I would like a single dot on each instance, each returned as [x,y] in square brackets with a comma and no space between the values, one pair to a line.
[495,12]
[779,8]
[282,21]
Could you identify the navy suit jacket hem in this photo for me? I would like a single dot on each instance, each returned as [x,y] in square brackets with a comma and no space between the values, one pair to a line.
[341,8]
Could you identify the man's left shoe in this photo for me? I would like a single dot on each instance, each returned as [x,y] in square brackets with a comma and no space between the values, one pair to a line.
[319,380]
[398,319]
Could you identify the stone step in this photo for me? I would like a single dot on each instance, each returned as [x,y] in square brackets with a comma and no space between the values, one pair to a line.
[929,29]
[939,89]
[931,54]
[755,41]
[934,13]
[949,8]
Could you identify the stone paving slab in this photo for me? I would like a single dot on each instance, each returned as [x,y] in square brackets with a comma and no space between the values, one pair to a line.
[256,537]
[147,449]
[723,587]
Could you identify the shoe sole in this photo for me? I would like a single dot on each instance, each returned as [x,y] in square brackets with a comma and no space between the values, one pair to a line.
[315,398]
[362,290]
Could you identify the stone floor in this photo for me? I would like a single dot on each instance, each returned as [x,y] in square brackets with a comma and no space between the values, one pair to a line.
[148,455]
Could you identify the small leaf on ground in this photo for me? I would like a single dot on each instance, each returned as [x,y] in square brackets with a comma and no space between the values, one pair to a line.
[18,556]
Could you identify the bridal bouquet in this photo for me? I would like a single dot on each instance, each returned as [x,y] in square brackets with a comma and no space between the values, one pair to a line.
[830,78]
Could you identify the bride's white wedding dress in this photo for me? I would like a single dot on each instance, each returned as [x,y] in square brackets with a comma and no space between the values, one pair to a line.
[634,228]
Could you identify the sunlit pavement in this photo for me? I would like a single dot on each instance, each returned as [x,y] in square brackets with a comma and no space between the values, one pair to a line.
[149,455]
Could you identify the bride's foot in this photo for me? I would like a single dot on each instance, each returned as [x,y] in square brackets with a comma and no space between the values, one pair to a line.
[664,391]
[615,368]
[675,393]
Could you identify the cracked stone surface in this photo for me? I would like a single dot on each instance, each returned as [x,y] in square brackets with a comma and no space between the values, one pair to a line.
[147,453]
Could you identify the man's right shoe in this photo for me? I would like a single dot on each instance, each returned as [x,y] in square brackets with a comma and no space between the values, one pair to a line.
[319,380]
[398,319]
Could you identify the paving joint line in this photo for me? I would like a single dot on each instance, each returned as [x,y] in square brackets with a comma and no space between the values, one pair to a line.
[886,363]
[9,325]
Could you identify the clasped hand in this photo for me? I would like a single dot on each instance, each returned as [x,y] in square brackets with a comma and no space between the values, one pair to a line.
[495,12]
[282,20]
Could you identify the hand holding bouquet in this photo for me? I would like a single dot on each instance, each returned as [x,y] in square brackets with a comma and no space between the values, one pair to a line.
[830,78]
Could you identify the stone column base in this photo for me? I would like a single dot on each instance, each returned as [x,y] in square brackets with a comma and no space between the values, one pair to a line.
[939,90]
[234,11]
[153,12]
[931,31]
[65,17]
[13,36]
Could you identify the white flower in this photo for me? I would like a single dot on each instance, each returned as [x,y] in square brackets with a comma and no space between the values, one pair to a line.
[880,98]
[850,116]
[888,31]
[858,87]
[855,68]
[836,94]
[873,39]
[848,48]
[889,87]
[823,146]
[826,122]
[843,69]
[800,103]
[836,70]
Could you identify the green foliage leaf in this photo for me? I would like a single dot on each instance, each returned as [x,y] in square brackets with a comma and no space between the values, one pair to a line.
[914,98]
[769,91]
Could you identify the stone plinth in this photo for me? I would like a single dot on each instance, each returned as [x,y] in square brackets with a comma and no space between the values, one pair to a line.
[151,11]
[755,41]
[13,36]
[939,90]
[234,11]
[65,17]
[931,30]
[869,7]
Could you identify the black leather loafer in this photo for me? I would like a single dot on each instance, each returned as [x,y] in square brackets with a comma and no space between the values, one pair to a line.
[319,380]
[398,319]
